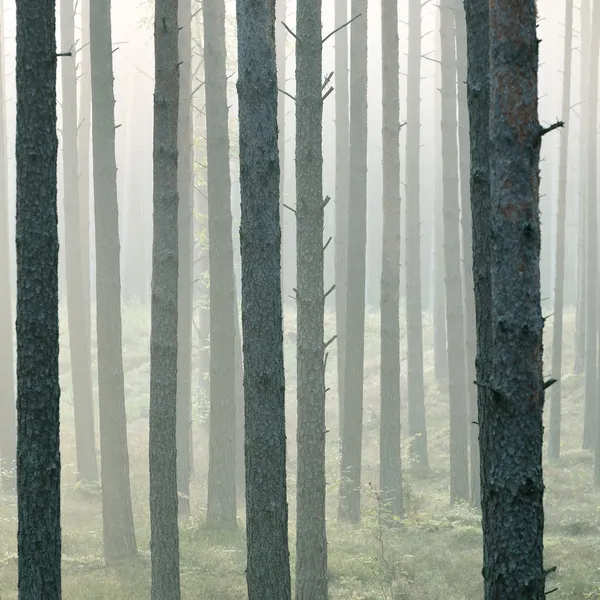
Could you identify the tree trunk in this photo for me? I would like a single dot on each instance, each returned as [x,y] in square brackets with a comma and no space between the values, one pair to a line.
[8,431]
[557,339]
[221,503]
[591,318]
[280,51]
[186,250]
[417,428]
[38,389]
[459,462]
[467,249]
[240,477]
[311,537]
[79,343]
[83,152]
[511,423]
[268,562]
[117,514]
[349,507]
[584,44]
[390,469]
[164,532]
[342,178]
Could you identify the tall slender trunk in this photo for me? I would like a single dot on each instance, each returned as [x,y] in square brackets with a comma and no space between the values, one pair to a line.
[349,507]
[584,44]
[390,469]
[280,51]
[459,462]
[221,502]
[38,388]
[186,249]
[342,190]
[417,427]
[591,317]
[117,514]
[164,530]
[8,432]
[557,338]
[440,350]
[83,152]
[79,343]
[311,537]
[467,250]
[268,562]
[511,423]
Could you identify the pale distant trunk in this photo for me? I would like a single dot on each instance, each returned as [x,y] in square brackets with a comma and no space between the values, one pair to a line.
[342,175]
[221,500]
[459,469]
[164,530]
[417,428]
[591,320]
[268,559]
[349,507]
[557,339]
[186,250]
[79,343]
[584,28]
[118,529]
[390,467]
[467,248]
[8,432]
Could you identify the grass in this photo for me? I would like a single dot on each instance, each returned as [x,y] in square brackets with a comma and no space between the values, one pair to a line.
[437,555]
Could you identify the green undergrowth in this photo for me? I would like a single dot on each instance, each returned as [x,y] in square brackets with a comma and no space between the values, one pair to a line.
[435,553]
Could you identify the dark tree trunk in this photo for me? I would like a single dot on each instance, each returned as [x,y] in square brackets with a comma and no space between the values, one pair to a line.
[79,343]
[38,389]
[8,431]
[311,537]
[268,562]
[349,507]
[186,249]
[557,338]
[342,177]
[221,503]
[390,469]
[117,514]
[591,317]
[511,423]
[280,51]
[164,532]
[459,462]
[417,428]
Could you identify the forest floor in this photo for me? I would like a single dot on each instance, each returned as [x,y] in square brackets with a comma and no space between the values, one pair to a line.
[436,555]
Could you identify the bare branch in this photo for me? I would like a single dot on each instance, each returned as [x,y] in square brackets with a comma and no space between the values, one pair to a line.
[557,125]
[287,94]
[340,28]
[327,94]
[290,208]
[289,30]
[329,291]
[330,341]
[327,244]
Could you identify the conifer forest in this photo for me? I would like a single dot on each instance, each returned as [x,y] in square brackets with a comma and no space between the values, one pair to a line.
[299,299]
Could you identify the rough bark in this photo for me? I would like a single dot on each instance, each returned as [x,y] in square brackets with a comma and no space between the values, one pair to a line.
[557,338]
[349,506]
[467,250]
[221,503]
[459,462]
[117,516]
[38,389]
[268,561]
[390,469]
[280,50]
[8,431]
[186,248]
[511,423]
[79,343]
[164,531]
[342,178]
[591,316]
[584,44]
[311,537]
[417,428]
